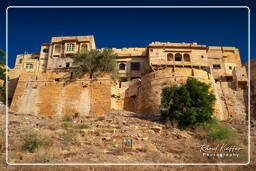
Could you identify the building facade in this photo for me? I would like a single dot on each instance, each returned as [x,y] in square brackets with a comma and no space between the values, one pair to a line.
[136,62]
[219,66]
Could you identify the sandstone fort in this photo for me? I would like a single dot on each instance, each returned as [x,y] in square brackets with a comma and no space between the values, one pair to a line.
[43,82]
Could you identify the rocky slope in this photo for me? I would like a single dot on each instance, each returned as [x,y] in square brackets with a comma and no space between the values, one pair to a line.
[100,139]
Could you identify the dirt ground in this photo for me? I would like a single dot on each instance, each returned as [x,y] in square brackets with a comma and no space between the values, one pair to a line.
[102,140]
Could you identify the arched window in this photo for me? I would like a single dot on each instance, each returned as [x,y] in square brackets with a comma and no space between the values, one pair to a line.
[186,57]
[20,61]
[121,66]
[84,47]
[169,57]
[178,57]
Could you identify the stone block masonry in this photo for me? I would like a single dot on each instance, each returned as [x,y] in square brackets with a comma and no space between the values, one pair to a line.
[51,97]
[42,82]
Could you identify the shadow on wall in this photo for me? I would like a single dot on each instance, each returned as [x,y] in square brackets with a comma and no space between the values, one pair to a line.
[12,84]
[131,101]
[142,96]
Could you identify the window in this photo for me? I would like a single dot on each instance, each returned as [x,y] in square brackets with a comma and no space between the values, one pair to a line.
[84,47]
[57,48]
[70,47]
[67,65]
[20,61]
[122,66]
[151,50]
[36,57]
[202,56]
[186,57]
[135,66]
[178,57]
[59,66]
[45,50]
[230,67]
[169,57]
[216,66]
[123,79]
[229,78]
[29,66]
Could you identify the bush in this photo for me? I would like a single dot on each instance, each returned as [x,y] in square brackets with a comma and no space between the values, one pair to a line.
[218,134]
[83,126]
[214,131]
[31,142]
[188,104]
[67,118]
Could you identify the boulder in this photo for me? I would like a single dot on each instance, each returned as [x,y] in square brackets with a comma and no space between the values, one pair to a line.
[157,129]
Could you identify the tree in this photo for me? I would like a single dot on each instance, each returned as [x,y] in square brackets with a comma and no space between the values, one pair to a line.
[188,104]
[95,61]
[2,57]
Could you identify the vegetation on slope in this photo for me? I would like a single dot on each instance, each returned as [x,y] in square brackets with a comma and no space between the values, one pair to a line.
[188,104]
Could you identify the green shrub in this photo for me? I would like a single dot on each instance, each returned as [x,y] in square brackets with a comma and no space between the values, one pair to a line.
[220,133]
[67,118]
[214,131]
[188,104]
[83,126]
[31,142]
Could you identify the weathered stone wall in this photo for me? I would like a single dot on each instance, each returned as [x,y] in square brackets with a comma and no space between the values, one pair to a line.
[233,100]
[253,86]
[152,85]
[120,96]
[12,83]
[41,91]
[45,96]
[145,97]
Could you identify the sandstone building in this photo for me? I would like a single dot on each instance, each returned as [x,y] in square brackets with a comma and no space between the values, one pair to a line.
[42,82]
[253,86]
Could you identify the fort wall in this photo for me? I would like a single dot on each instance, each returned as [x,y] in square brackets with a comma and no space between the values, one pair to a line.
[43,83]
[253,86]
[46,96]
[144,96]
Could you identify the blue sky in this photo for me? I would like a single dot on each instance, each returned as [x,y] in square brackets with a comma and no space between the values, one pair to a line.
[29,28]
